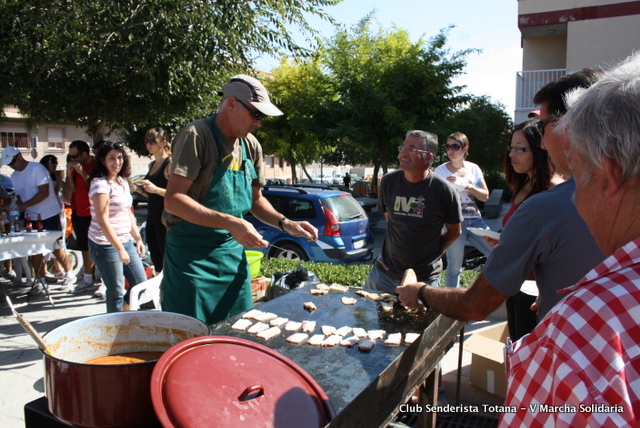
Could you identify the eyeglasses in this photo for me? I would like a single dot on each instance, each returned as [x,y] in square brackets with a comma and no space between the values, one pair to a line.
[150,141]
[257,115]
[543,123]
[410,149]
[455,146]
[76,156]
[15,158]
[518,149]
[114,144]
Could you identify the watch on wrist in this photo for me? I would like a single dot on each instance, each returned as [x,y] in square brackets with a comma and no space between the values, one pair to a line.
[421,296]
[281,224]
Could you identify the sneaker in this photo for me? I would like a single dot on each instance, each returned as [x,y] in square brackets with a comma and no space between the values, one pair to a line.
[82,287]
[50,280]
[17,282]
[101,292]
[67,282]
[38,289]
[60,275]
[10,275]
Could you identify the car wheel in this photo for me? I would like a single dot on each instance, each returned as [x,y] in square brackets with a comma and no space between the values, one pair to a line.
[290,251]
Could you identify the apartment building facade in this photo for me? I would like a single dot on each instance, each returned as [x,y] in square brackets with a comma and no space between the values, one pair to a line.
[562,36]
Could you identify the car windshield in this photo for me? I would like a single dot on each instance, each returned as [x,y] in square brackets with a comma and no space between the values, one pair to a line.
[344,207]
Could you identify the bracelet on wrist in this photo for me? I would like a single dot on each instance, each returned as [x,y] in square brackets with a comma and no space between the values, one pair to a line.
[421,296]
[281,224]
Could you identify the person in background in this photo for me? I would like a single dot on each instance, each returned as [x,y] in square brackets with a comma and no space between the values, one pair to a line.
[34,188]
[346,180]
[113,227]
[5,195]
[418,205]
[528,171]
[545,235]
[467,178]
[77,180]
[154,185]
[51,163]
[217,174]
[583,356]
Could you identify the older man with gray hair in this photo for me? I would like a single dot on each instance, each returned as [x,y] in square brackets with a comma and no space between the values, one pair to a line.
[423,216]
[217,171]
[581,365]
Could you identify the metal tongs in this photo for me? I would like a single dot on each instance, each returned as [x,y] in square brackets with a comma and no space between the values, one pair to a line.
[29,329]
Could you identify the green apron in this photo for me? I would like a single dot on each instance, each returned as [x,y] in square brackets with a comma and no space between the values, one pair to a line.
[206,274]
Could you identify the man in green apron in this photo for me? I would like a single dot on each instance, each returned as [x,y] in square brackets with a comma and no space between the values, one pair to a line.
[217,172]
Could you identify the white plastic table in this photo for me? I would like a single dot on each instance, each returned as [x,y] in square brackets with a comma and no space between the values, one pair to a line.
[28,244]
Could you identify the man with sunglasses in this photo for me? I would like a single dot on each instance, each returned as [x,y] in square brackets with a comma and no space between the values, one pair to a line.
[545,235]
[36,197]
[216,176]
[79,168]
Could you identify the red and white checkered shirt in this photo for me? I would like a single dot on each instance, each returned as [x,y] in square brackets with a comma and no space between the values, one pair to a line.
[580,367]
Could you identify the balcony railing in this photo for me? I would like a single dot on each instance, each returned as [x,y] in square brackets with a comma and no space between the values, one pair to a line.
[528,83]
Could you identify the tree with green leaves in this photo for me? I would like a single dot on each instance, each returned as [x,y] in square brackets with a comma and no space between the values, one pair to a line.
[301,90]
[387,85]
[103,64]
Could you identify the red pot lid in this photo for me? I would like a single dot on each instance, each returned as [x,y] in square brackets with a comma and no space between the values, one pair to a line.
[225,381]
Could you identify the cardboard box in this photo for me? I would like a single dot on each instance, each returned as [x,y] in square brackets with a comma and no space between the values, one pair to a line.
[487,358]
[259,287]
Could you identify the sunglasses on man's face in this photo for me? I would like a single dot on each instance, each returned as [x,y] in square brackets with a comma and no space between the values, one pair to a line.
[15,158]
[76,156]
[257,115]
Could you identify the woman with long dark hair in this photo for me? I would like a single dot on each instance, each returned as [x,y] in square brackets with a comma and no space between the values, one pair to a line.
[528,171]
[115,243]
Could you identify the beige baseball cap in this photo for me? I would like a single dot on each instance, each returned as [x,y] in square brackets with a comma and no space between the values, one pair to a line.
[250,89]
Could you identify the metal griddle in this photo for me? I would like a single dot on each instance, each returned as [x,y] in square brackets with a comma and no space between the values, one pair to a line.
[364,387]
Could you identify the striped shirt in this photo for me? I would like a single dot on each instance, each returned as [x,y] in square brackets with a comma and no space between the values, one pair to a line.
[580,367]
[120,201]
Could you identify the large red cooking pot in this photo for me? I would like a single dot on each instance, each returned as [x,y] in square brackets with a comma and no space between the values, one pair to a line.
[86,395]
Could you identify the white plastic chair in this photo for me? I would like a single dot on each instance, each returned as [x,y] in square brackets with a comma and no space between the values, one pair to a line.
[150,287]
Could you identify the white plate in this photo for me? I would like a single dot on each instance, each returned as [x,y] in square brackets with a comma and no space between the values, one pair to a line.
[482,232]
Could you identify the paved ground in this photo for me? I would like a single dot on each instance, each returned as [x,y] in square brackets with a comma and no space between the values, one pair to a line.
[21,367]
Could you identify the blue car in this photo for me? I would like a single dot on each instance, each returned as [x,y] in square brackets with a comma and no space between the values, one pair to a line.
[343,226]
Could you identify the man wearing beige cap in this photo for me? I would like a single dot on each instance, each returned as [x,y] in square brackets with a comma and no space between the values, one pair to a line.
[217,172]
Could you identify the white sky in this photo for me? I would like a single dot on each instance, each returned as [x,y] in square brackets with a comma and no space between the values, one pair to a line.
[489,25]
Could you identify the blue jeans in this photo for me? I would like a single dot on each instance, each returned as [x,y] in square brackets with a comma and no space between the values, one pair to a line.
[113,271]
[379,282]
[455,252]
